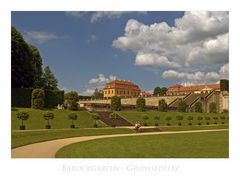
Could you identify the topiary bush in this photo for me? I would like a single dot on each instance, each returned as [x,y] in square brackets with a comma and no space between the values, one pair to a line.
[179,118]
[23,116]
[145,118]
[162,106]
[38,97]
[53,98]
[182,106]
[72,117]
[48,116]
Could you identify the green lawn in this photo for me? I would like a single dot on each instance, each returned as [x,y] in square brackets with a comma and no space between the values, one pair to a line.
[134,116]
[192,145]
[29,137]
[61,120]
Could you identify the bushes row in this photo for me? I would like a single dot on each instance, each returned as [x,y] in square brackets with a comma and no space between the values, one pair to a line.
[23,98]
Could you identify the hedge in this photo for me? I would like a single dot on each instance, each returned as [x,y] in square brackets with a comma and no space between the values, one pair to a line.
[22,98]
[53,98]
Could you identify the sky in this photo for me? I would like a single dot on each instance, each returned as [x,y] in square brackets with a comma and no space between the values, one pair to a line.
[87,49]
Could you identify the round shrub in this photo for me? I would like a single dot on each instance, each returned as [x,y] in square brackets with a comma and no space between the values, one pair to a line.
[38,97]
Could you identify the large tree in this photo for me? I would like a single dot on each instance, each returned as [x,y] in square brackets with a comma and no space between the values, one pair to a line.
[22,62]
[141,104]
[49,80]
[159,91]
[37,66]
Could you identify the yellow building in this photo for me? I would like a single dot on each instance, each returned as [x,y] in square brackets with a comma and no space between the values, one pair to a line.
[121,88]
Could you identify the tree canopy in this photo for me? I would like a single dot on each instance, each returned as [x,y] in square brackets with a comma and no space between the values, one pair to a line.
[159,91]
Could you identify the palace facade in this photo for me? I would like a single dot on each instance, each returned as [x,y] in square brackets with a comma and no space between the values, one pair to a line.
[121,88]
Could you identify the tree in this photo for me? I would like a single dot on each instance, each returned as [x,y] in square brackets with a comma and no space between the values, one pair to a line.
[115,103]
[182,106]
[72,116]
[223,118]
[145,118]
[48,116]
[71,99]
[22,72]
[162,105]
[224,85]
[215,120]
[113,116]
[213,107]
[23,116]
[49,80]
[96,117]
[156,91]
[190,118]
[157,119]
[37,66]
[159,91]
[207,119]
[97,94]
[141,104]
[179,118]
[38,98]
[168,119]
[199,120]
[198,107]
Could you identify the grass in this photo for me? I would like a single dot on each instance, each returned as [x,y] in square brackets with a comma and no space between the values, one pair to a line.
[60,121]
[134,116]
[29,137]
[192,145]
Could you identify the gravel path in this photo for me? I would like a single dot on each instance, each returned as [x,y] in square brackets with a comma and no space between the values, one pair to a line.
[48,149]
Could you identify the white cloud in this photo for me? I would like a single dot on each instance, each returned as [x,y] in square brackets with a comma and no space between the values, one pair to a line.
[87,92]
[91,39]
[98,83]
[198,41]
[99,15]
[40,37]
[101,79]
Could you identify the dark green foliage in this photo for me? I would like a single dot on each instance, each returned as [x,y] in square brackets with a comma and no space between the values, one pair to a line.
[48,116]
[224,85]
[182,106]
[213,107]
[96,117]
[53,98]
[21,97]
[71,99]
[159,91]
[168,119]
[179,118]
[97,94]
[22,116]
[198,107]
[145,118]
[113,116]
[38,98]
[72,117]
[162,105]
[22,73]
[115,103]
[157,119]
[190,118]
[49,80]
[37,66]
[141,104]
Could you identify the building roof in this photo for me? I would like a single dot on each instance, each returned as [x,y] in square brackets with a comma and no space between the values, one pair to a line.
[180,88]
[121,84]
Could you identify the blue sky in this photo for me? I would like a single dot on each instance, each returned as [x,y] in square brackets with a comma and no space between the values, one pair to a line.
[87,49]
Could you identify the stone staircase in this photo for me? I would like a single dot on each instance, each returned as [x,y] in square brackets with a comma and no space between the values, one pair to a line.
[104,117]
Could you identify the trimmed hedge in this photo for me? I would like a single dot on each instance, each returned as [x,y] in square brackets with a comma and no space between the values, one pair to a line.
[53,98]
[21,97]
